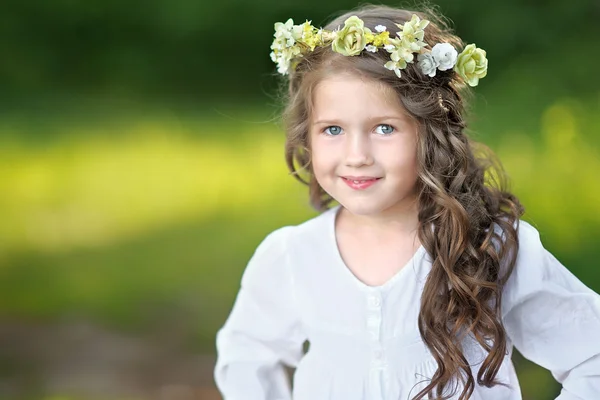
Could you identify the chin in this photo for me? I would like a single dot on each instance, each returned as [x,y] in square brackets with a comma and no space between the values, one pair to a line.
[363,208]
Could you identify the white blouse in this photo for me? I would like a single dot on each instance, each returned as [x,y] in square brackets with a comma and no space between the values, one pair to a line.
[364,340]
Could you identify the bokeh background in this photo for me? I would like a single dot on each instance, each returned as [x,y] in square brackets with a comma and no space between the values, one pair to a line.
[141,162]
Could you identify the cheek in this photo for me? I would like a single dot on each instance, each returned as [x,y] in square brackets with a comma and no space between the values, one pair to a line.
[321,157]
[401,158]
[320,166]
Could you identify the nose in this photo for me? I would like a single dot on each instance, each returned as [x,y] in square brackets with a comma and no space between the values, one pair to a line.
[358,150]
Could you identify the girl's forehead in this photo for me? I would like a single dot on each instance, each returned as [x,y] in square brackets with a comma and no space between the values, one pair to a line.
[349,93]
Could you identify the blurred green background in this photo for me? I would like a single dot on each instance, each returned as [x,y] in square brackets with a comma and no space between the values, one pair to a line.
[141,163]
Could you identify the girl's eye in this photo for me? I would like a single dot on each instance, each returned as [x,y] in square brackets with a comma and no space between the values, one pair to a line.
[333,130]
[385,129]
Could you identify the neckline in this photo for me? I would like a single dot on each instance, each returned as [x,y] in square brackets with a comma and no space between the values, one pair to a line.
[340,261]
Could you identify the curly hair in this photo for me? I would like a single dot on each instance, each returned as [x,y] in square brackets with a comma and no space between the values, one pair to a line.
[468,221]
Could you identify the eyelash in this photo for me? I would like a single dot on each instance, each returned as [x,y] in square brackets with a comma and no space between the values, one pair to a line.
[384,134]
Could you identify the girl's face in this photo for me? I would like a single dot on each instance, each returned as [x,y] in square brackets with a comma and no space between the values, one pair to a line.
[364,146]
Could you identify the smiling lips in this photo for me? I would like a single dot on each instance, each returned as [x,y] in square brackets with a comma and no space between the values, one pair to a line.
[360,182]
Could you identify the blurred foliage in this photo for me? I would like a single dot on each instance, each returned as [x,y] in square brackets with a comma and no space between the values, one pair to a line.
[147,223]
[204,50]
[77,212]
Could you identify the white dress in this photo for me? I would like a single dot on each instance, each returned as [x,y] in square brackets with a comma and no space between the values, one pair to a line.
[364,341]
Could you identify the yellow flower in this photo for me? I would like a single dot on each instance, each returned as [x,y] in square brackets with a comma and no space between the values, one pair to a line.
[310,36]
[472,64]
[351,40]
[381,39]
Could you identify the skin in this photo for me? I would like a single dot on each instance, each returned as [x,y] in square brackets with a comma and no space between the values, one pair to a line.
[360,128]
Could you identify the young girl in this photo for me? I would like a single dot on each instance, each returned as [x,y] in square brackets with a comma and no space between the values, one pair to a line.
[423,278]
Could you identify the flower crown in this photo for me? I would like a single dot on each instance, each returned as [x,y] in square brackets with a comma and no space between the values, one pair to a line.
[293,41]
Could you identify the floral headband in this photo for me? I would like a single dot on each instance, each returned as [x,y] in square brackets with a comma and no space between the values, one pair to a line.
[293,41]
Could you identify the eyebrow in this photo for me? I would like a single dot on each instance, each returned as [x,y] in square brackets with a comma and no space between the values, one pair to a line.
[379,118]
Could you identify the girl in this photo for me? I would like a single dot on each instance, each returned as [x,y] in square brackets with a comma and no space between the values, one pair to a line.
[423,278]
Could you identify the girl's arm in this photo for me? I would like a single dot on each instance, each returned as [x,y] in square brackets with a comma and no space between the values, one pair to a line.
[553,319]
[263,329]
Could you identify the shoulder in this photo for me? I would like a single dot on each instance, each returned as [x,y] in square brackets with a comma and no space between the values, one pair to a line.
[311,230]
[534,265]
[302,235]
[286,245]
[268,263]
[528,236]
[530,243]
[526,252]
[528,240]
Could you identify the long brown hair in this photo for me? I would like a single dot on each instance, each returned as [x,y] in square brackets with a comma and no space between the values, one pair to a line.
[468,221]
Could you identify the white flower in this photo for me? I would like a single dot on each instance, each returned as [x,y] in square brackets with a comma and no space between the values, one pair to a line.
[329,35]
[427,63]
[412,34]
[283,35]
[390,48]
[400,50]
[380,28]
[402,53]
[393,66]
[298,30]
[283,68]
[445,54]
[371,48]
[283,64]
[284,57]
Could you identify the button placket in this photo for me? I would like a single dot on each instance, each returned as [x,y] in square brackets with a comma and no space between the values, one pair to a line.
[374,317]
[374,313]
[378,362]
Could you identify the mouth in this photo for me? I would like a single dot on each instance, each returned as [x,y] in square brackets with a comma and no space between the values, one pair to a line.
[360,182]
[360,178]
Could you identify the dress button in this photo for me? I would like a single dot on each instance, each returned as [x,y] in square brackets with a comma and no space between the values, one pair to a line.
[378,354]
[375,301]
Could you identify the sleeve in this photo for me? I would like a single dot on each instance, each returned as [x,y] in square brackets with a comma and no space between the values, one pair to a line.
[263,330]
[553,319]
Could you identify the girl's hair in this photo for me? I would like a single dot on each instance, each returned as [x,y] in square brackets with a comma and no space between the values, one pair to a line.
[467,221]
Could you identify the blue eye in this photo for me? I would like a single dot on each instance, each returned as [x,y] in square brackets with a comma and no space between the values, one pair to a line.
[333,130]
[387,129]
